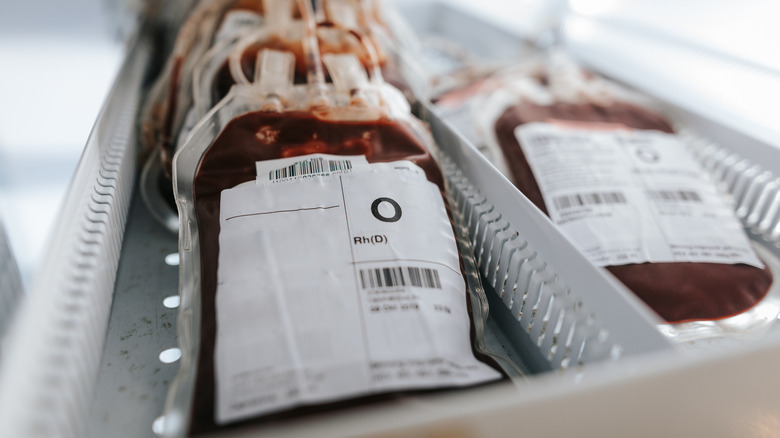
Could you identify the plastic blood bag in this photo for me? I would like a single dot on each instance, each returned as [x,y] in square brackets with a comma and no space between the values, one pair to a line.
[620,183]
[328,268]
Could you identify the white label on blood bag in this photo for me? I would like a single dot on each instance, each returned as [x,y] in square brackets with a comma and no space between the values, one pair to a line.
[306,166]
[336,286]
[632,196]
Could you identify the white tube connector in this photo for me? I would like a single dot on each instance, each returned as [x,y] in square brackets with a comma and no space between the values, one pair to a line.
[349,76]
[274,72]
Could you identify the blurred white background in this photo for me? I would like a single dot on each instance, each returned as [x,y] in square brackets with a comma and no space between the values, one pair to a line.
[57,61]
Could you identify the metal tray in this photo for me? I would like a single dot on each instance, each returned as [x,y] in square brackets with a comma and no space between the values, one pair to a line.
[86,356]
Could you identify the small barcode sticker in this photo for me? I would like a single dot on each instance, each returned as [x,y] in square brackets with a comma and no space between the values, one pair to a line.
[583,199]
[674,195]
[292,168]
[397,276]
[312,166]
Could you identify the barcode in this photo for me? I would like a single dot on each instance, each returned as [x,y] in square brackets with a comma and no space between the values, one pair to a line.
[376,278]
[312,166]
[675,195]
[582,199]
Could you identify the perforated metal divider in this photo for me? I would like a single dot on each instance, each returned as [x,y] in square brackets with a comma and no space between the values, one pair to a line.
[49,364]
[755,189]
[544,294]
[526,295]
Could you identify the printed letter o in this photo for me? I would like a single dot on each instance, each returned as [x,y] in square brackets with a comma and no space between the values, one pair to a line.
[375,210]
